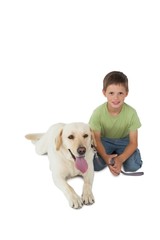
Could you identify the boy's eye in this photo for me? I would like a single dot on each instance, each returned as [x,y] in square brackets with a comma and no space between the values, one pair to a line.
[111,93]
[120,93]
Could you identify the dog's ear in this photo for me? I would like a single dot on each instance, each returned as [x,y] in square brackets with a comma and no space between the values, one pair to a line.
[93,138]
[58,140]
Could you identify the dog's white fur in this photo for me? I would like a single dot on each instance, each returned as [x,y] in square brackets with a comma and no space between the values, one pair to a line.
[56,142]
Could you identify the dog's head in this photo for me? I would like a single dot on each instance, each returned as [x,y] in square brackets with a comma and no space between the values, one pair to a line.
[77,138]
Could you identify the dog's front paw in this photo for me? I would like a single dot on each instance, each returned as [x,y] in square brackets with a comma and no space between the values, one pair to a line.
[88,198]
[76,202]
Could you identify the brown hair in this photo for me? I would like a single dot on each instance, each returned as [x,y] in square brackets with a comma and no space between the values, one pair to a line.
[115,77]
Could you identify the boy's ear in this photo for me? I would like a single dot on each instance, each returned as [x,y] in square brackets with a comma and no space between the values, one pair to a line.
[126,93]
[104,92]
[58,140]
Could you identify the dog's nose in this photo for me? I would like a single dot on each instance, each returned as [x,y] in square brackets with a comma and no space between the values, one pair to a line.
[81,150]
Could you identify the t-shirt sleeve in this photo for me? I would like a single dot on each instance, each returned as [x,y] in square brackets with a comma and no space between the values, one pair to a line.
[135,122]
[94,121]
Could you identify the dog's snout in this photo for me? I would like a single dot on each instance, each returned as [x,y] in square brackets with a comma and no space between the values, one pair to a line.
[81,150]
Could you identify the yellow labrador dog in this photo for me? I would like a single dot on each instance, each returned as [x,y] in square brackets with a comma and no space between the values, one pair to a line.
[70,153]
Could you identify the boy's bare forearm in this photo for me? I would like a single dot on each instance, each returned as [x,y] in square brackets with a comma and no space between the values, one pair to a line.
[129,150]
[102,152]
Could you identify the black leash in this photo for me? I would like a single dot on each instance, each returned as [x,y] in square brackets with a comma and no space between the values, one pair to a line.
[132,173]
[72,154]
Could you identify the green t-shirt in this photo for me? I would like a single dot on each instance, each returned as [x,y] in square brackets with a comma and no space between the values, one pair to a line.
[114,126]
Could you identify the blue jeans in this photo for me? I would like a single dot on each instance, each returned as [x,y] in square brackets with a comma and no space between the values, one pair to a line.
[117,146]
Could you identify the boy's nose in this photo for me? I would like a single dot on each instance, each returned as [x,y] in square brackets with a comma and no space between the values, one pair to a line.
[115,96]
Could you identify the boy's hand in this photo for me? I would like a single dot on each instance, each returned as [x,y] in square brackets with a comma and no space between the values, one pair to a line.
[115,166]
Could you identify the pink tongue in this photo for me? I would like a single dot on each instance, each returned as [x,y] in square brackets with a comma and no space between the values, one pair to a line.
[81,164]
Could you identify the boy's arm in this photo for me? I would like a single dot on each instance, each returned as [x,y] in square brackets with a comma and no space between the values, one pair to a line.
[131,147]
[101,150]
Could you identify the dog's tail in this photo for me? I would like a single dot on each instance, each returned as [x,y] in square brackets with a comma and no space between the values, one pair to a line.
[34,137]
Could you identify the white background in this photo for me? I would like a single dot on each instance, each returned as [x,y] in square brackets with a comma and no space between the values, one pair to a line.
[53,58]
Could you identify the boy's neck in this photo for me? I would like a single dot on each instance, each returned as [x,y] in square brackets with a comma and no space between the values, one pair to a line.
[114,111]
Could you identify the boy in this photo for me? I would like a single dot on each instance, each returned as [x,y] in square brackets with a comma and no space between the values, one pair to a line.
[115,125]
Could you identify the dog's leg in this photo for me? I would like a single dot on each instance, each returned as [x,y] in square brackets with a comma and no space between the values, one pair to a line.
[74,200]
[87,195]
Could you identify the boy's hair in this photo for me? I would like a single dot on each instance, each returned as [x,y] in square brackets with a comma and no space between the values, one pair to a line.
[117,78]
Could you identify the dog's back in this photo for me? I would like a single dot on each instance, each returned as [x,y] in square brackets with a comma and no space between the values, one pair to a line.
[42,140]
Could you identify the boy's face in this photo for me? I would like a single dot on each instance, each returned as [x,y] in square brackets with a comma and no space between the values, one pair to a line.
[115,95]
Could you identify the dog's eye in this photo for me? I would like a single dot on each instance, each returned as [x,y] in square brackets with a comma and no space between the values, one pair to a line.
[71,137]
[85,135]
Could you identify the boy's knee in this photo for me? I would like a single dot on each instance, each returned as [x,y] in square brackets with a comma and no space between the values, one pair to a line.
[132,167]
[133,163]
